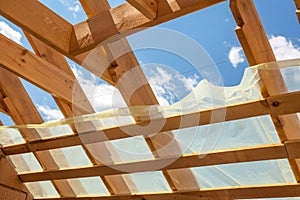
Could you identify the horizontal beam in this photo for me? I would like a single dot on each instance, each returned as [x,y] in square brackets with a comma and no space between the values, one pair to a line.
[126,19]
[242,192]
[267,152]
[234,112]
[39,72]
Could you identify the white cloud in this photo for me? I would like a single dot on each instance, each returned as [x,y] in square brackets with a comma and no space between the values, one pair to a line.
[168,85]
[284,49]
[50,113]
[9,32]
[101,95]
[74,9]
[235,56]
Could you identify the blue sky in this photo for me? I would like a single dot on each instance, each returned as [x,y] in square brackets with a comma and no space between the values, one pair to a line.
[211,28]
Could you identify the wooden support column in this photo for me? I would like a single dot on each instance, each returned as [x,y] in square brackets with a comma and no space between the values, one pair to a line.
[258,50]
[135,89]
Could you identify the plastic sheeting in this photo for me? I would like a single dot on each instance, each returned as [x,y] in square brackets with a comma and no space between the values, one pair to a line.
[203,139]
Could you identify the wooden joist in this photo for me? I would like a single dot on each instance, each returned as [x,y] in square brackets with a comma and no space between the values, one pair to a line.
[146,7]
[242,192]
[267,152]
[233,112]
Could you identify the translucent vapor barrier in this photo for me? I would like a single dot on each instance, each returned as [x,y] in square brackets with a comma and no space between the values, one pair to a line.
[209,120]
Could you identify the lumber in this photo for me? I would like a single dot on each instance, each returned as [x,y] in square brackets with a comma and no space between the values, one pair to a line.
[134,87]
[146,7]
[297,3]
[125,20]
[41,73]
[267,152]
[233,112]
[258,50]
[242,192]
[19,103]
[38,20]
[44,24]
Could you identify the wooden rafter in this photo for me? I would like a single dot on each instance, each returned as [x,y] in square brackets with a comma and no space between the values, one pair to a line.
[41,73]
[146,7]
[134,88]
[297,3]
[18,104]
[258,50]
[234,112]
[52,56]
[44,24]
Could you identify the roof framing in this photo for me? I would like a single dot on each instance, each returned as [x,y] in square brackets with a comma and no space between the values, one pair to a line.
[48,69]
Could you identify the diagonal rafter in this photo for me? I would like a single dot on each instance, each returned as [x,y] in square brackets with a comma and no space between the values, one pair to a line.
[146,7]
[19,103]
[44,24]
[258,50]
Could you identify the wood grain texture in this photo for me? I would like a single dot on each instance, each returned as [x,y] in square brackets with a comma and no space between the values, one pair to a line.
[267,152]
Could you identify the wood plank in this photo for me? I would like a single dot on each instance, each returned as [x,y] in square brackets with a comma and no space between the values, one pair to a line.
[8,193]
[258,50]
[40,21]
[233,112]
[134,87]
[146,7]
[123,18]
[115,184]
[297,3]
[242,192]
[19,103]
[52,79]
[2,108]
[267,152]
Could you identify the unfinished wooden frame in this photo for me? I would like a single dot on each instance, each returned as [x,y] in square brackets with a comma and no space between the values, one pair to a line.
[49,70]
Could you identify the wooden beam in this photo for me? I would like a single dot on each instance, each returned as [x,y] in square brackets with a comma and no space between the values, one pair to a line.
[234,112]
[242,192]
[146,7]
[19,103]
[44,24]
[41,73]
[135,89]
[40,21]
[258,50]
[297,3]
[267,152]
[126,19]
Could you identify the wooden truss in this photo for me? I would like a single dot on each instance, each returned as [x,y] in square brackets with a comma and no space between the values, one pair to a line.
[48,69]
